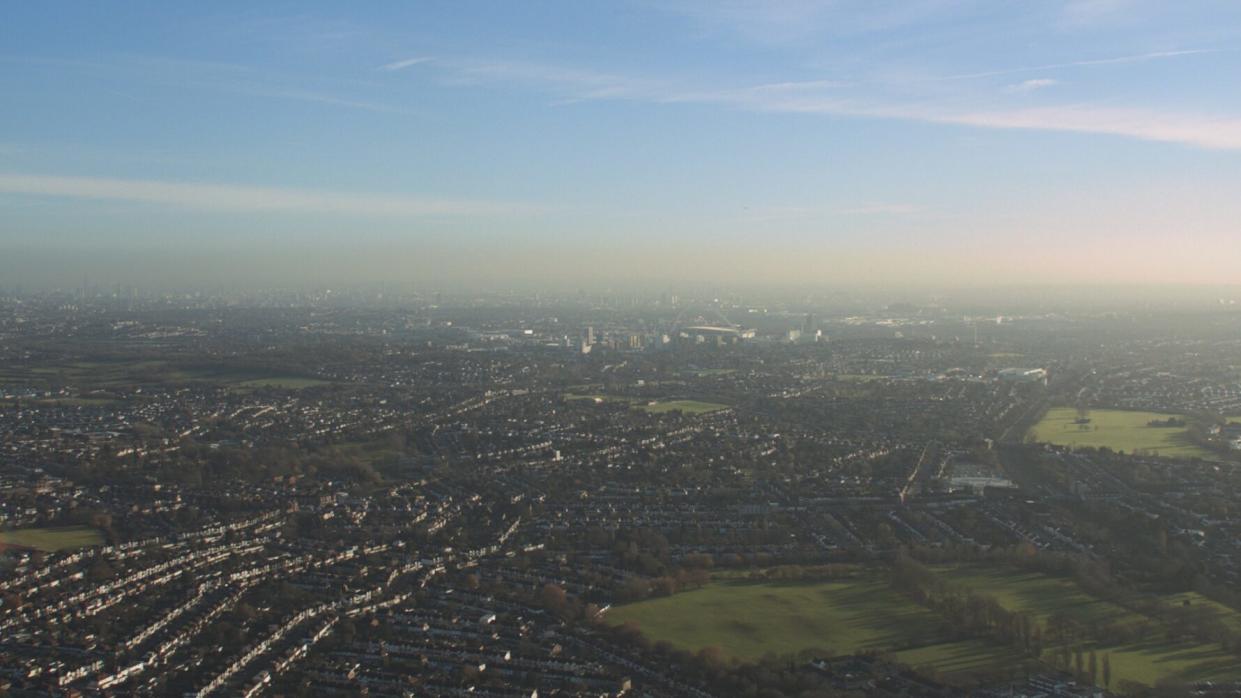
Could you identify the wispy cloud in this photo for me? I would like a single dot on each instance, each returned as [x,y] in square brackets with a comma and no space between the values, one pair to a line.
[233,198]
[801,21]
[1113,60]
[835,99]
[228,78]
[1032,85]
[403,64]
[1223,133]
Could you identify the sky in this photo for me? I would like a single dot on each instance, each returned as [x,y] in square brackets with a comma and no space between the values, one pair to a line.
[952,142]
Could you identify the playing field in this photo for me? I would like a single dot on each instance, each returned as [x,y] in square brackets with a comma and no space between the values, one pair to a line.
[52,539]
[1144,662]
[1038,594]
[106,375]
[749,620]
[285,382]
[1119,430]
[654,406]
[686,406]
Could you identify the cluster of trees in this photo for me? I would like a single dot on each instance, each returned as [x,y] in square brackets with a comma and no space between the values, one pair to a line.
[1171,622]
[969,612]
[1084,664]
[683,579]
[802,573]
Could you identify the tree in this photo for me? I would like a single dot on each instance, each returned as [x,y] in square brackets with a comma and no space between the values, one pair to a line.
[1107,670]
[553,597]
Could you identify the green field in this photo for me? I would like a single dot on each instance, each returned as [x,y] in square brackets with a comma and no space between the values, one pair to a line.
[858,377]
[653,406]
[1038,594]
[63,401]
[286,382]
[1119,430]
[686,406]
[709,372]
[104,375]
[1144,662]
[748,620]
[52,539]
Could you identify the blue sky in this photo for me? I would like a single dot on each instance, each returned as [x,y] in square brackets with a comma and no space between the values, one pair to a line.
[805,141]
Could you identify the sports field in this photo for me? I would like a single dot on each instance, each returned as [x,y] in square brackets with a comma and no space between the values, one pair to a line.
[654,406]
[1038,594]
[749,620]
[1119,430]
[686,406]
[285,382]
[105,375]
[52,539]
[1144,662]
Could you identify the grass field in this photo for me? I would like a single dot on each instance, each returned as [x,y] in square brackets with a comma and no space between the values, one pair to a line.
[53,539]
[655,406]
[749,620]
[286,382]
[63,401]
[1040,595]
[87,375]
[706,372]
[686,406]
[1119,430]
[858,377]
[1144,662]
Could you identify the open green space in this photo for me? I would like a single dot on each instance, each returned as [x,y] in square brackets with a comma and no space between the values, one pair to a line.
[960,658]
[104,375]
[62,401]
[1146,662]
[858,377]
[286,382]
[52,539]
[1040,595]
[710,372]
[599,397]
[1230,616]
[1119,430]
[748,620]
[653,406]
[686,406]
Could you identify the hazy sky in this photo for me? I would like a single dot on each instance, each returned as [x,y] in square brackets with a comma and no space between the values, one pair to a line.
[925,141]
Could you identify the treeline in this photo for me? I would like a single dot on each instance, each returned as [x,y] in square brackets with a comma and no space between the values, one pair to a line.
[639,588]
[978,614]
[803,573]
[1172,622]
[969,612]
